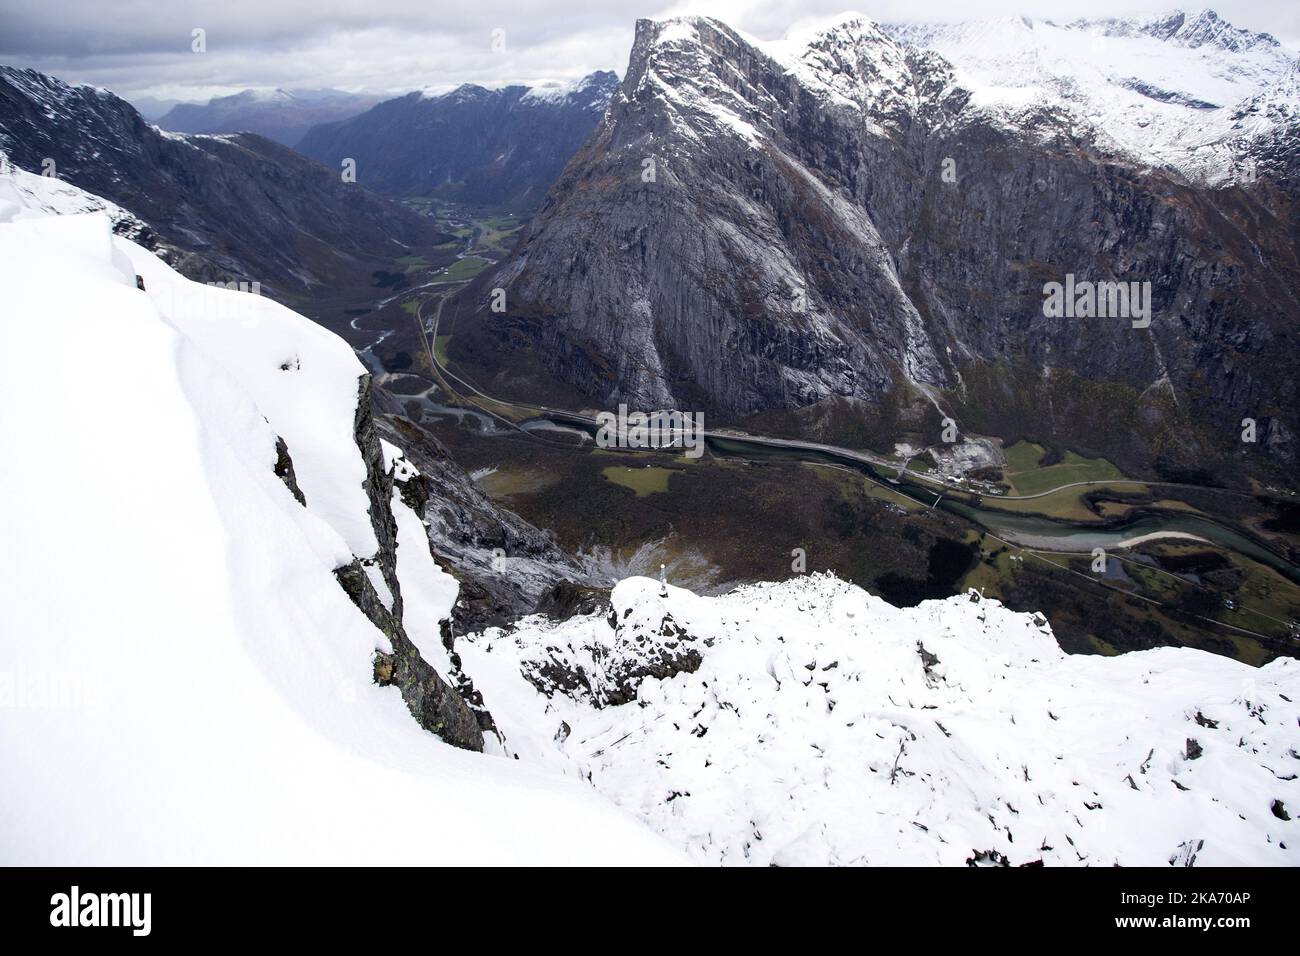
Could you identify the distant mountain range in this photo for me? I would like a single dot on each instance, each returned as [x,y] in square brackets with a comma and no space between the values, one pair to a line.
[1188,91]
[497,148]
[151,107]
[281,115]
[847,234]
[234,207]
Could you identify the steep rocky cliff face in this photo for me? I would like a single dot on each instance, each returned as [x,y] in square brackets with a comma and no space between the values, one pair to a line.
[228,208]
[499,148]
[843,221]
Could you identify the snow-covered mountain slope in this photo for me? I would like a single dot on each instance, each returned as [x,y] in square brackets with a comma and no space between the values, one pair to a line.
[808,722]
[182,678]
[1180,90]
[25,195]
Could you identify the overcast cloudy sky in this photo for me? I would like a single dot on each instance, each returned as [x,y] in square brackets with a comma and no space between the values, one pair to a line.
[141,48]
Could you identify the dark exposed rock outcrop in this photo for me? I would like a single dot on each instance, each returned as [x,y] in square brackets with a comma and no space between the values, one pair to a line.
[432,702]
[607,674]
[505,565]
[568,599]
[284,470]
[379,491]
[436,705]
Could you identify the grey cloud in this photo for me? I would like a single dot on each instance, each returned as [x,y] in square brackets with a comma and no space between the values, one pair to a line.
[142,47]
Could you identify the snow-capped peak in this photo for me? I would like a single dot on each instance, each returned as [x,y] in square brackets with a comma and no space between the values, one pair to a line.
[1164,91]
[851,58]
[705,70]
[849,24]
[593,89]
[54,97]
[464,93]
[1179,90]
[261,95]
[1195,29]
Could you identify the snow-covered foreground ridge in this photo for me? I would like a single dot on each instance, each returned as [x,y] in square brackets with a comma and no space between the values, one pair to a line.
[182,678]
[808,722]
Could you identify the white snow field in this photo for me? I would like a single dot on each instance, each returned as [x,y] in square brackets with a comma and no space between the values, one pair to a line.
[182,680]
[24,195]
[814,732]
[1183,90]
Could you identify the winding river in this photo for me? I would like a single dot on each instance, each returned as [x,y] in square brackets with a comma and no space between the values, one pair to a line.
[1026,530]
[1030,530]
[1023,529]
